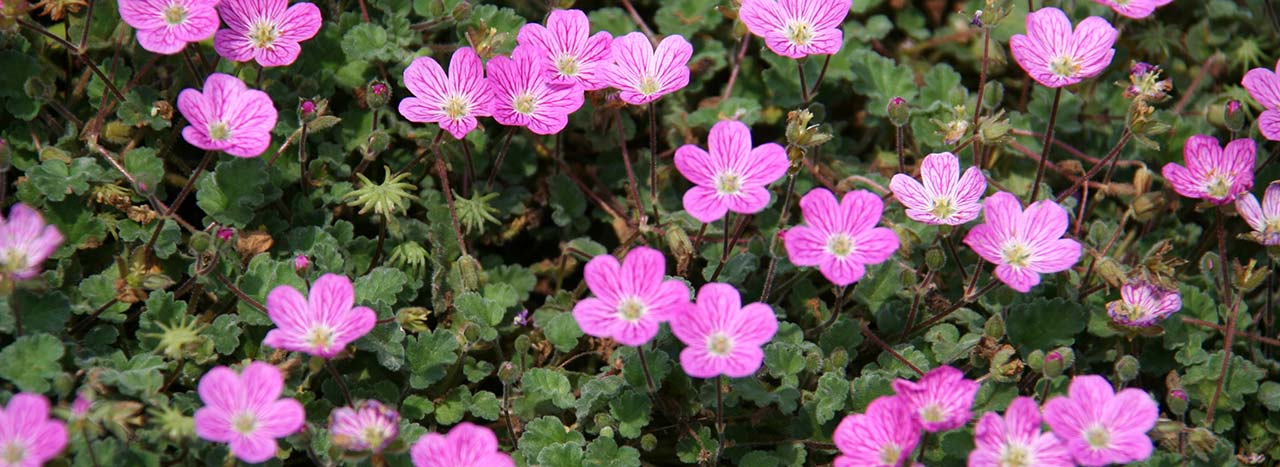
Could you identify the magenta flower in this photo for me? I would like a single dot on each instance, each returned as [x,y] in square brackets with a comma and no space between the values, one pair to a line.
[1143,304]
[840,238]
[321,324]
[1023,244]
[1264,86]
[570,54]
[25,242]
[1055,56]
[644,74]
[946,197]
[1264,219]
[453,101]
[797,28]
[733,176]
[465,445]
[28,436]
[942,399]
[267,31]
[721,336]
[166,26]
[883,437]
[369,427]
[1212,173]
[1099,426]
[631,299]
[523,94]
[1015,440]
[245,410]
[228,116]
[1136,9]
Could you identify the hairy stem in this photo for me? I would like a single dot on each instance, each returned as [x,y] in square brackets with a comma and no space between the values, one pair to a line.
[1048,138]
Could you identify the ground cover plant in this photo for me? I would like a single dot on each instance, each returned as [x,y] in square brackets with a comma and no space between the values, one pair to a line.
[628,233]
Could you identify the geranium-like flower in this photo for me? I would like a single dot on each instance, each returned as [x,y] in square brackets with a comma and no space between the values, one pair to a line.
[1016,440]
[1023,244]
[28,436]
[1099,426]
[465,445]
[644,74]
[947,196]
[1136,9]
[570,54]
[631,298]
[369,427]
[1143,304]
[523,94]
[882,437]
[245,410]
[840,238]
[453,101]
[268,31]
[25,242]
[1264,86]
[166,26]
[228,116]
[1212,173]
[1265,218]
[797,28]
[942,399]
[732,176]
[1055,56]
[721,336]
[321,324]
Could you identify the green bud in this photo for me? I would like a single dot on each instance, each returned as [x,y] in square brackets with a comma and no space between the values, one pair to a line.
[413,319]
[179,340]
[508,373]
[54,153]
[1127,368]
[469,270]
[994,327]
[116,132]
[523,344]
[838,360]
[1035,360]
[1146,207]
[935,258]
[606,432]
[992,95]
[813,361]
[377,94]
[1054,364]
[899,112]
[378,142]
[173,423]
[648,442]
[681,248]
[1177,399]
[200,242]
[475,212]
[386,199]
[1233,116]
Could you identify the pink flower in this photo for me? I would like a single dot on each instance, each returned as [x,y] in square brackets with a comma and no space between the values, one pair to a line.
[321,324]
[631,299]
[1023,244]
[227,116]
[797,28]
[245,410]
[840,238]
[455,100]
[166,26]
[28,437]
[721,336]
[1055,56]
[265,30]
[466,445]
[25,242]
[1016,440]
[733,176]
[570,54]
[644,74]
[523,94]
[1136,9]
[369,427]
[883,437]
[1143,304]
[1212,173]
[1264,219]
[1264,86]
[941,399]
[946,197]
[1099,426]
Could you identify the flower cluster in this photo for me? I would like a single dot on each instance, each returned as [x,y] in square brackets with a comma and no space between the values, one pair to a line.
[268,31]
[890,430]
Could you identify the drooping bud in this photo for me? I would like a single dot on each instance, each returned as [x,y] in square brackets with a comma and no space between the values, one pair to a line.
[1127,368]
[899,112]
[935,258]
[681,248]
[508,373]
[1233,116]
[992,95]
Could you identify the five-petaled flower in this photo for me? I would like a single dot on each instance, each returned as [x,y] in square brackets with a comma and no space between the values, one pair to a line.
[1143,303]
[321,324]
[454,101]
[465,445]
[797,28]
[1264,86]
[840,238]
[245,410]
[644,74]
[1055,56]
[28,436]
[884,436]
[228,116]
[25,242]
[731,176]
[370,426]
[1016,440]
[631,298]
[1213,173]
[166,26]
[570,54]
[523,95]
[946,196]
[942,399]
[1099,426]
[1023,244]
[722,336]
[1264,218]
[1136,9]
[268,31]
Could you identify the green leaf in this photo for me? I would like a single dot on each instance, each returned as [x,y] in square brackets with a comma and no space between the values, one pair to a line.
[546,431]
[833,391]
[604,452]
[31,361]
[56,179]
[379,289]
[41,312]
[1269,395]
[541,384]
[454,406]
[561,455]
[1043,324]
[881,79]
[784,360]
[631,410]
[567,202]
[145,166]
[235,190]
[560,328]
[387,342]
[430,356]
[365,41]
[687,17]
[690,449]
[485,404]
[225,332]
[263,275]
[139,376]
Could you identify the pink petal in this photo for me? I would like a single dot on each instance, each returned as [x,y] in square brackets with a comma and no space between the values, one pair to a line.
[214,424]
[604,277]
[830,14]
[862,210]
[842,272]
[253,449]
[471,443]
[1132,410]
[356,323]
[232,45]
[1003,214]
[288,309]
[1269,125]
[671,64]
[281,418]
[766,164]
[910,193]
[691,325]
[431,449]
[971,187]
[262,383]
[822,211]
[742,361]
[466,75]
[719,300]
[762,16]
[805,246]
[875,246]
[940,172]
[595,317]
[642,271]
[1183,181]
[1020,279]
[704,204]
[730,143]
[569,27]
[631,56]
[160,41]
[748,200]
[192,106]
[282,53]
[331,297]
[1240,157]
[221,389]
[1044,221]
[1271,201]
[781,45]
[1022,418]
[1092,44]
[696,165]
[986,242]
[143,15]
[697,363]
[301,22]
[1262,84]
[201,24]
[668,300]
[1050,27]
[756,325]
[1057,255]
[635,333]
[426,80]
[1202,153]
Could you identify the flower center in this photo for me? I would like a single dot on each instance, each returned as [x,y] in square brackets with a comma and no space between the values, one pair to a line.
[13,453]
[524,103]
[799,33]
[632,309]
[890,454]
[728,183]
[719,344]
[374,436]
[649,86]
[175,14]
[219,131]
[568,65]
[1273,226]
[1132,311]
[1016,254]
[320,337]
[1218,187]
[244,423]
[932,413]
[263,34]
[839,245]
[943,208]
[1015,455]
[1098,437]
[456,107]
[1065,66]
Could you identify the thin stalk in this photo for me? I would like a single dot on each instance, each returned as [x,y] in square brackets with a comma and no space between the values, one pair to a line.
[866,331]
[79,53]
[835,310]
[239,293]
[182,196]
[730,243]
[469,169]
[982,85]
[1234,313]
[443,174]
[342,384]
[632,194]
[900,135]
[1108,161]
[648,377]
[17,316]
[84,428]
[697,242]
[497,160]
[653,161]
[822,75]
[305,177]
[417,159]
[782,222]
[804,87]
[1048,144]
[719,418]
[377,251]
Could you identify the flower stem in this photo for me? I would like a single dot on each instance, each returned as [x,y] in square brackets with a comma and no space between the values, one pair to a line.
[17,316]
[835,311]
[899,136]
[822,75]
[1048,143]
[648,377]
[79,53]
[1234,313]
[470,169]
[497,160]
[653,161]
[239,293]
[804,87]
[177,202]
[305,177]
[377,251]
[866,331]
[719,418]
[982,86]
[632,194]
[443,174]
[342,384]
[730,243]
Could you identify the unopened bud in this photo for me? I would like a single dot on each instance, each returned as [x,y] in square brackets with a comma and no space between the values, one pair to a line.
[378,141]
[1127,368]
[1054,364]
[838,360]
[225,233]
[648,442]
[992,95]
[1145,207]
[1177,401]
[1233,115]
[508,373]
[522,343]
[413,319]
[200,242]
[301,264]
[994,327]
[899,112]
[681,248]
[377,94]
[469,271]
[935,258]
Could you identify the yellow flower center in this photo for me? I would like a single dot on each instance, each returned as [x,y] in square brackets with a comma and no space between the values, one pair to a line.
[890,454]
[799,33]
[1065,66]
[1016,254]
[219,131]
[839,245]
[719,344]
[320,337]
[932,413]
[175,14]
[649,86]
[456,107]
[728,183]
[1015,455]
[244,423]
[263,34]
[524,103]
[943,208]
[1218,187]
[13,453]
[1098,437]
[374,436]
[632,309]
[568,65]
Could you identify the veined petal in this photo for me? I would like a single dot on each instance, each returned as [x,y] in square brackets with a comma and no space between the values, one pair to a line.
[1262,84]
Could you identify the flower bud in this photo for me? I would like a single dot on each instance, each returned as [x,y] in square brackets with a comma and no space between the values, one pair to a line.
[992,95]
[523,318]
[681,248]
[1035,360]
[200,242]
[1054,364]
[377,94]
[1177,401]
[523,344]
[469,271]
[648,442]
[1127,368]
[225,233]
[413,319]
[508,373]
[1233,116]
[935,258]
[301,264]
[378,141]
[838,360]
[994,327]
[1145,207]
[899,112]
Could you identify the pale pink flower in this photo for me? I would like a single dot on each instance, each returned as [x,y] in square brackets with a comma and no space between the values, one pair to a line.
[1099,426]
[25,242]
[524,96]
[1143,304]
[631,298]
[797,28]
[1265,218]
[1016,440]
[883,437]
[570,54]
[268,31]
[81,405]
[1023,244]
[721,336]
[453,101]
[946,197]
[245,410]
[644,74]
[732,176]
[369,427]
[28,436]
[227,116]
[321,324]
[840,238]
[942,399]
[1055,56]
[166,26]
[1136,9]
[1212,173]
[466,445]
[1264,86]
